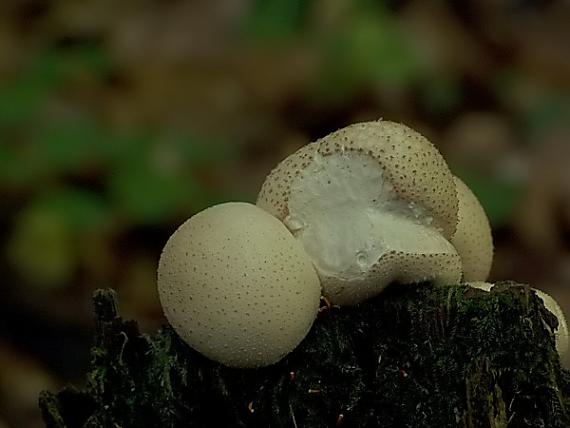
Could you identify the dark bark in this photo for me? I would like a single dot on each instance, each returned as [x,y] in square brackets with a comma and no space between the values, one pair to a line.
[415,356]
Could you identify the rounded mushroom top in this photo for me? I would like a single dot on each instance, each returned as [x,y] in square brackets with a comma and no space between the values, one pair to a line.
[472,239]
[237,287]
[367,196]
[276,189]
[409,162]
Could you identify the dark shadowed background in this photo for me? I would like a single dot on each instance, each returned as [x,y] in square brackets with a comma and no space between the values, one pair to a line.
[119,120]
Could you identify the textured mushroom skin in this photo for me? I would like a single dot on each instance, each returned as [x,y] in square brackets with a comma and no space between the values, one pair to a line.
[276,190]
[237,287]
[378,191]
[411,163]
[440,268]
[472,239]
[561,334]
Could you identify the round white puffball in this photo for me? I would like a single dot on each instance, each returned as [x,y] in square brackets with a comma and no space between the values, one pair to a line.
[237,286]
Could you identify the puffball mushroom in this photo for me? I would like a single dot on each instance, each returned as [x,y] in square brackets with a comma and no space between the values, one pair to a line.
[472,238]
[560,335]
[371,203]
[237,287]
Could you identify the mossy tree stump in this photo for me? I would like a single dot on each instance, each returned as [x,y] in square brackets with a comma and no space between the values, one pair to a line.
[418,356]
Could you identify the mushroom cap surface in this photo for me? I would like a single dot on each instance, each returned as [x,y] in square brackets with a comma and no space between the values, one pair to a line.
[276,189]
[561,333]
[472,239]
[410,162]
[237,287]
[442,268]
[372,203]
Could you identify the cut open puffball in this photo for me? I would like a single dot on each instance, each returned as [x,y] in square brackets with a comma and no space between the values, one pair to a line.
[472,239]
[237,287]
[560,335]
[371,203]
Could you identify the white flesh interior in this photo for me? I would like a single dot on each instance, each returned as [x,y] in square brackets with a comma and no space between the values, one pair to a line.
[348,216]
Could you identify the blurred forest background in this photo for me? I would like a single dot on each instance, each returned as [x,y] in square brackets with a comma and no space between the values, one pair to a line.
[119,120]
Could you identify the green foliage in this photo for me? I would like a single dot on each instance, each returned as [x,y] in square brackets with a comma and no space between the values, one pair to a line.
[55,163]
[551,112]
[415,356]
[275,19]
[153,179]
[81,209]
[146,195]
[540,107]
[440,94]
[68,146]
[45,243]
[21,98]
[368,49]
[41,247]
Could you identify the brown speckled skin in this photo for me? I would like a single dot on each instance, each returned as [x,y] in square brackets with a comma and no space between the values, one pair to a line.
[442,268]
[236,285]
[418,174]
[276,190]
[472,239]
[411,163]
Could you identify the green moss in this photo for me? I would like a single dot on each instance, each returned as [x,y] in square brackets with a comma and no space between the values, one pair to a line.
[415,356]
